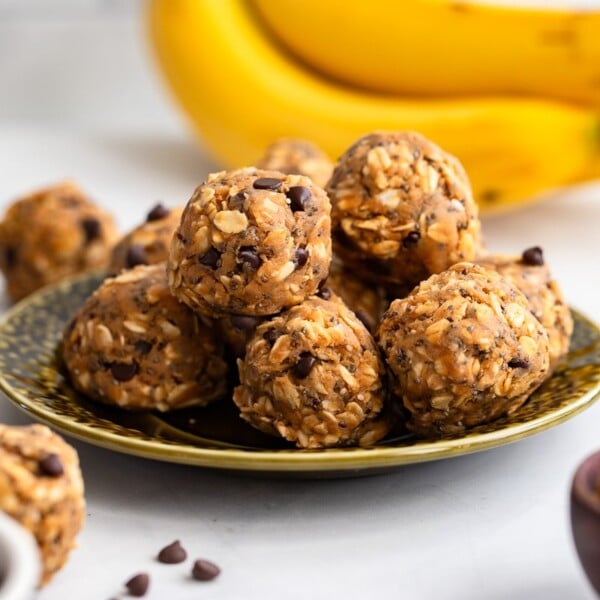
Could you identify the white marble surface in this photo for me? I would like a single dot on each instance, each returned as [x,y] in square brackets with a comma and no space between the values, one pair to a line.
[492,525]
[488,526]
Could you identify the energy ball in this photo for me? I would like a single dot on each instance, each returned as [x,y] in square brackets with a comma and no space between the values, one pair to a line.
[135,346]
[313,375]
[238,330]
[148,243]
[50,234]
[365,300]
[251,242]
[289,155]
[530,274]
[463,348]
[402,209]
[41,487]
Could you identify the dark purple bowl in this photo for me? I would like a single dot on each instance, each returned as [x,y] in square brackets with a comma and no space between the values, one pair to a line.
[585,517]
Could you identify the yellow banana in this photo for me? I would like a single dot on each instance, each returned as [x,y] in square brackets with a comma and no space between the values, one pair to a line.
[444,47]
[241,93]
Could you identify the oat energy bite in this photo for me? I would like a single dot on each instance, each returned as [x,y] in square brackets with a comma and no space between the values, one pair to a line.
[530,274]
[148,243]
[463,348]
[134,345]
[50,234]
[365,300]
[313,375]
[251,242]
[42,488]
[402,209]
[289,155]
[237,330]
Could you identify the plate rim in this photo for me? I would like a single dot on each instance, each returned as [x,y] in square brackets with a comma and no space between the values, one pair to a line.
[284,460]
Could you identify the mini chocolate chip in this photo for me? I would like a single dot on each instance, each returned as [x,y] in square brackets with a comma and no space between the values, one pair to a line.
[250,258]
[244,322]
[299,196]
[204,570]
[142,347]
[136,255]
[325,293]
[267,183]
[271,336]
[172,554]
[211,258]
[158,212]
[411,239]
[51,465]
[300,257]
[91,229]
[237,200]
[10,257]
[533,256]
[124,371]
[304,366]
[138,584]
[363,316]
[518,363]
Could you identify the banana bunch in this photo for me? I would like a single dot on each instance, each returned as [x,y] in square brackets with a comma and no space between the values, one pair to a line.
[513,93]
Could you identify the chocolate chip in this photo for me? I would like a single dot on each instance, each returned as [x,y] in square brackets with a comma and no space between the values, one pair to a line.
[244,322]
[138,584]
[325,293]
[10,257]
[124,371]
[237,200]
[91,229]
[533,256]
[250,258]
[204,570]
[157,212]
[299,197]
[51,465]
[300,257]
[304,366]
[142,347]
[172,554]
[136,255]
[271,336]
[518,363]
[267,183]
[411,239]
[211,258]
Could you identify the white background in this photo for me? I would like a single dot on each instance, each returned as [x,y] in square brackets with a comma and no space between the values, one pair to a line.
[79,97]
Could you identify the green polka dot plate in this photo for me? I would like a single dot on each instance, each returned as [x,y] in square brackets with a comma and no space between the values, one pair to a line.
[33,378]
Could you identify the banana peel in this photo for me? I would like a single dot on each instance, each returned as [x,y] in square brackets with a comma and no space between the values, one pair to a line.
[241,91]
[444,47]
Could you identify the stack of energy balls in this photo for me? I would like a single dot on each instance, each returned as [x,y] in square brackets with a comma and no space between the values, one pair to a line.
[348,308]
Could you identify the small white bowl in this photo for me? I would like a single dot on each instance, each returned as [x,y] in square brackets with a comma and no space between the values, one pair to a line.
[19,561]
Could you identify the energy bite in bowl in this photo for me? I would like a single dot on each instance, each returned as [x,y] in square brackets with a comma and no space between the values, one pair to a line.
[42,488]
[463,348]
[50,234]
[402,209]
[367,302]
[238,330]
[134,345]
[148,243]
[290,155]
[530,274]
[313,375]
[251,242]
